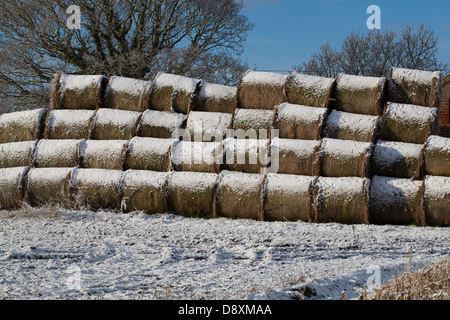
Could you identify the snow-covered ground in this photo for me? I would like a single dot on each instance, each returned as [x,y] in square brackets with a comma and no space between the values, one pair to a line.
[85,255]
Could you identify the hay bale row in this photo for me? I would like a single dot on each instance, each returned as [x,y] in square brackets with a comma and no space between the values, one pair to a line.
[22,125]
[437,156]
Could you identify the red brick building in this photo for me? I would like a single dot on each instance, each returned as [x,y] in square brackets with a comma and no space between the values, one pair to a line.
[445,106]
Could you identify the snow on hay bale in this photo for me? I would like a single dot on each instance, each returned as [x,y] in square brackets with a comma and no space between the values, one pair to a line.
[12,183]
[397,159]
[208,126]
[345,158]
[299,122]
[239,195]
[126,94]
[215,98]
[56,153]
[437,200]
[409,123]
[437,156]
[103,154]
[416,87]
[255,123]
[192,194]
[77,91]
[351,126]
[396,201]
[358,94]
[151,154]
[341,200]
[246,155]
[173,93]
[309,90]
[288,197]
[160,124]
[16,154]
[261,90]
[69,124]
[110,124]
[22,125]
[145,191]
[197,156]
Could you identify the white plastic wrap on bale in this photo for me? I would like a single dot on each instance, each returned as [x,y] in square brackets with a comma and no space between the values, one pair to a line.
[351,126]
[409,123]
[69,124]
[16,154]
[110,124]
[12,182]
[56,153]
[437,200]
[437,156]
[299,122]
[149,154]
[254,123]
[22,125]
[197,156]
[103,154]
[396,201]
[246,155]
[160,124]
[309,90]
[126,94]
[208,126]
[215,98]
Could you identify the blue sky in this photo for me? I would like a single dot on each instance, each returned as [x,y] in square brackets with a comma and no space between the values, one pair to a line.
[287,32]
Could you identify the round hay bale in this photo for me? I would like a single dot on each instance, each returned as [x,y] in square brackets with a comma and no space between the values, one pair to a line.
[151,154]
[48,186]
[16,154]
[96,189]
[240,195]
[208,126]
[351,126]
[22,125]
[159,124]
[215,98]
[246,155]
[69,124]
[145,191]
[299,122]
[173,93]
[417,87]
[409,123]
[437,156]
[398,159]
[12,185]
[193,194]
[77,91]
[103,154]
[261,90]
[197,156]
[126,94]
[396,201]
[253,124]
[300,157]
[288,197]
[307,90]
[437,200]
[358,94]
[341,200]
[56,153]
[110,124]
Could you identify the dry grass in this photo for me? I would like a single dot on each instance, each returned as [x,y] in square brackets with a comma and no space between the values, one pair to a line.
[26,212]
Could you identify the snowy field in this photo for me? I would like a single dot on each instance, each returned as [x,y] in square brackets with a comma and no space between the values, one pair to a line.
[51,254]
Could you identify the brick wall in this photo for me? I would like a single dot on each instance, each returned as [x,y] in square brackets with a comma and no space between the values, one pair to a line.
[445,107]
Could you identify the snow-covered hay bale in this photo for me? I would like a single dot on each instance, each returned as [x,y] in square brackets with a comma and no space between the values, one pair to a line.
[16,154]
[309,90]
[397,159]
[12,184]
[396,201]
[126,94]
[208,126]
[417,87]
[261,90]
[409,123]
[299,122]
[110,124]
[69,124]
[173,93]
[291,156]
[77,91]
[22,125]
[96,188]
[197,156]
[48,186]
[215,98]
[160,124]
[351,126]
[358,94]
[144,191]
[246,155]
[437,200]
[341,200]
[192,194]
[345,158]
[253,123]
[103,154]
[56,154]
[151,154]
[240,195]
[288,197]
[437,156]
